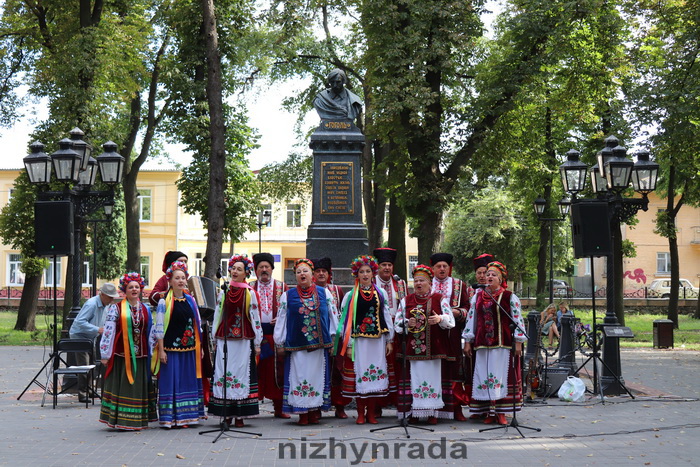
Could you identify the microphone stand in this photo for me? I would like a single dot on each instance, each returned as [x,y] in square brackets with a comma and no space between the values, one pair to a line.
[224,425]
[513,326]
[403,422]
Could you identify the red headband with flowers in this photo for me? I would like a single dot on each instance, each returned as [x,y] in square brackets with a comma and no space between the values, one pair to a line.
[423,269]
[177,265]
[130,277]
[364,260]
[247,263]
[502,271]
[306,261]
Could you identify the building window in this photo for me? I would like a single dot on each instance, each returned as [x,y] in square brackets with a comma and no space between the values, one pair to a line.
[267,212]
[587,266]
[145,269]
[224,267]
[15,276]
[290,262]
[294,215]
[386,217]
[87,274]
[48,273]
[412,263]
[663,263]
[145,213]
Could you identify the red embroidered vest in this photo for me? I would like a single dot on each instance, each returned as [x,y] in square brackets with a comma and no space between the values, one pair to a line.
[431,342]
[492,329]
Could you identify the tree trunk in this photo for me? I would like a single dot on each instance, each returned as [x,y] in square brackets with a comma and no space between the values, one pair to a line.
[542,264]
[131,213]
[397,237]
[618,280]
[28,303]
[217,157]
[675,281]
[429,233]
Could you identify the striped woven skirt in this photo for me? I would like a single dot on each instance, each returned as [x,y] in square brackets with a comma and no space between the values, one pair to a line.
[128,406]
[180,395]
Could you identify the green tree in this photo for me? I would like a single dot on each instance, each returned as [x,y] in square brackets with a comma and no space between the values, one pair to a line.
[17,230]
[663,93]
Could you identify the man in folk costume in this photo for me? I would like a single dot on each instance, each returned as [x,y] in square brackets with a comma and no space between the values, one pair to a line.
[421,318]
[323,276]
[271,365]
[395,289]
[497,379]
[455,291]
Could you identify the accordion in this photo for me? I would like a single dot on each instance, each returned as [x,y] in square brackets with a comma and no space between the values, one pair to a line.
[204,291]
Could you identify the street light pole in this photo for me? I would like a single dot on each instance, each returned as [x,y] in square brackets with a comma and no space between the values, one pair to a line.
[540,207]
[609,178]
[263,220]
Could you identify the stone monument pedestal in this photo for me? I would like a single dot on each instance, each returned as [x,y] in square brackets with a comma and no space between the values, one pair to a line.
[337,229]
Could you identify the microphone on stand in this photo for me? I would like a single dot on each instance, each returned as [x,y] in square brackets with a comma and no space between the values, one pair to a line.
[396,277]
[479,286]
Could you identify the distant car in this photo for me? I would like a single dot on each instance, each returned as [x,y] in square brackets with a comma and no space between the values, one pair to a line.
[661,288]
[561,288]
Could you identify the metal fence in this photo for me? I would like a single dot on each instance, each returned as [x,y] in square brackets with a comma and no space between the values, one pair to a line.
[684,293]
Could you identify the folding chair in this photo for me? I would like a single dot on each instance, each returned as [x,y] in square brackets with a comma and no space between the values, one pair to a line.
[68,346]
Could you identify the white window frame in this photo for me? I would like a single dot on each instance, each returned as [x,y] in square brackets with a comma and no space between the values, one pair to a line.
[87,273]
[412,263]
[14,261]
[295,211]
[48,273]
[664,257]
[145,268]
[143,198]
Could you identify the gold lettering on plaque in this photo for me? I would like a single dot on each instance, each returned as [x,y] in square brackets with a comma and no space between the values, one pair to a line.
[337,187]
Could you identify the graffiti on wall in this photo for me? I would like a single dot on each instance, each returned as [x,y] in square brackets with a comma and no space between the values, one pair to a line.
[637,275]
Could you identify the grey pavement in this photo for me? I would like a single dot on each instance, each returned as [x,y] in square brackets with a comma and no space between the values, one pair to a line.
[660,427]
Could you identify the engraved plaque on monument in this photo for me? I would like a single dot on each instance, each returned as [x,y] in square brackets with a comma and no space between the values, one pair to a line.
[337,229]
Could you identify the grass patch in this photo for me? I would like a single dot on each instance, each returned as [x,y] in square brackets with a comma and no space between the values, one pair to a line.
[8,336]
[687,335]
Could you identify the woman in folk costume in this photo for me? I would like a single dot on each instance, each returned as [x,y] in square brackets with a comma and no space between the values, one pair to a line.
[364,338]
[488,333]
[238,335]
[420,318]
[306,324]
[178,362]
[128,398]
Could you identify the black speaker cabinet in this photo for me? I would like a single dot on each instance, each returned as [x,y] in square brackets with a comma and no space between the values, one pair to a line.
[590,227]
[53,228]
[551,380]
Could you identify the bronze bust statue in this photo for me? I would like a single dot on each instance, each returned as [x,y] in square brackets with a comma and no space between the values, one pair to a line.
[336,102]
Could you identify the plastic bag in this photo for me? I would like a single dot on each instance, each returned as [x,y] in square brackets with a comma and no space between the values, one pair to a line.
[572,390]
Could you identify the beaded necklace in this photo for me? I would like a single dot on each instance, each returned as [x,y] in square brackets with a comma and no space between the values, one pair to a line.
[367,292]
[309,297]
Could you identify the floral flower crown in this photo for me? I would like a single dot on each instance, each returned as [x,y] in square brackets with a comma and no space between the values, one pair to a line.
[306,261]
[423,269]
[247,263]
[181,265]
[364,260]
[131,277]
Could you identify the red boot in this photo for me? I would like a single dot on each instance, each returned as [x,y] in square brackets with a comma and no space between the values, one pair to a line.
[239,423]
[340,412]
[277,404]
[315,416]
[360,412]
[432,420]
[303,419]
[459,416]
[501,419]
[371,408]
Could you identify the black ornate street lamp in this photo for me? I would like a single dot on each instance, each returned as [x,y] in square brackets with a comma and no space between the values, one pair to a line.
[609,178]
[263,220]
[74,166]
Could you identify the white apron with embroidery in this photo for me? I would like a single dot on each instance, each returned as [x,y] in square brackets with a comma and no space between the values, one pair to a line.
[237,369]
[306,378]
[426,387]
[371,374]
[490,381]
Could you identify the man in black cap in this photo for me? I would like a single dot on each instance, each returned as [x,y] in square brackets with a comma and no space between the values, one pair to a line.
[456,293]
[394,286]
[161,287]
[271,365]
[323,276]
